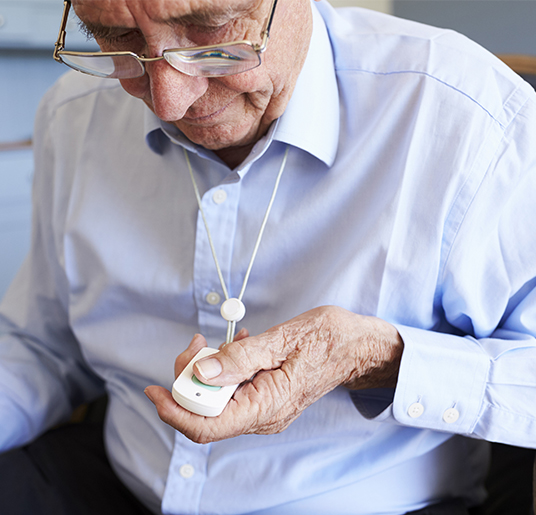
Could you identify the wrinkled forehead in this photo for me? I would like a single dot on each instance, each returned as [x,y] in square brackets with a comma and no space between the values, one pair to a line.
[128,13]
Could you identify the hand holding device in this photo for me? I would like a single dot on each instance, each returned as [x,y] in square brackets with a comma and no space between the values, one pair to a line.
[198,397]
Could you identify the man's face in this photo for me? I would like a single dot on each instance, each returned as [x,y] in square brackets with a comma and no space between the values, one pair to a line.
[216,113]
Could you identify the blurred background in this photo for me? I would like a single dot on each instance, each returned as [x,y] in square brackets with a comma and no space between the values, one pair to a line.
[28,30]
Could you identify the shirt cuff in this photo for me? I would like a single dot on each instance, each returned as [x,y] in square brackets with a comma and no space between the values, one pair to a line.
[441,382]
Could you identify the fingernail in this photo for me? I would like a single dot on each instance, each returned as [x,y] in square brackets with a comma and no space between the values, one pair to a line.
[209,368]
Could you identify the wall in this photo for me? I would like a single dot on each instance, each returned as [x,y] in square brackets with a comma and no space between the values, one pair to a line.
[501,26]
[385,6]
[28,31]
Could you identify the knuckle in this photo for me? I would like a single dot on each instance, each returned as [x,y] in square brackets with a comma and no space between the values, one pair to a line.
[237,355]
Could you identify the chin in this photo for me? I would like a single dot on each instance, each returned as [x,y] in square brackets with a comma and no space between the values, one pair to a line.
[218,138]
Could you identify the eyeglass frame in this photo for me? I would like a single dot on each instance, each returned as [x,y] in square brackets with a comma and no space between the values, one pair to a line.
[60,45]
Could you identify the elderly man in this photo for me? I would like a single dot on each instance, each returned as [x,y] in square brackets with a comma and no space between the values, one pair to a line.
[362,187]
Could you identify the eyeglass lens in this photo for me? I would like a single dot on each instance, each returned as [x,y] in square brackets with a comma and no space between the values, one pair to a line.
[114,67]
[228,60]
[215,62]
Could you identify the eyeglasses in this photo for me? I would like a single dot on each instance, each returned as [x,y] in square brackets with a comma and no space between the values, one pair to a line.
[202,61]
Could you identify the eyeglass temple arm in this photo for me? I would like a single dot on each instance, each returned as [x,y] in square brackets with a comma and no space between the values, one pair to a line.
[60,43]
[266,32]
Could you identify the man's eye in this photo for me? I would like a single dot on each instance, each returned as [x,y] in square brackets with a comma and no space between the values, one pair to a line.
[131,41]
[117,39]
[122,38]
[209,29]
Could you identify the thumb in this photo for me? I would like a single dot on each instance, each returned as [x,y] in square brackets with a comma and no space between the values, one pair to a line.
[239,360]
[197,343]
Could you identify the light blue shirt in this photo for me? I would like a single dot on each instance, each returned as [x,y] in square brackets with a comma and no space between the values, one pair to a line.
[408,195]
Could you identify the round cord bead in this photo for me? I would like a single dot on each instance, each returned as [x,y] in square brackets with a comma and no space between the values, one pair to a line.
[233,310]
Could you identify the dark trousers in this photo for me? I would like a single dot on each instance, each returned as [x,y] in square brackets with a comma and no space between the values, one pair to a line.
[452,507]
[66,472]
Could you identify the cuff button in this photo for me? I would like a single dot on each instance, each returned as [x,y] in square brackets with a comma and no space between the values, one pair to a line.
[451,415]
[416,410]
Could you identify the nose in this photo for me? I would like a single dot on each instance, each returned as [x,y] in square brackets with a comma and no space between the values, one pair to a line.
[173,92]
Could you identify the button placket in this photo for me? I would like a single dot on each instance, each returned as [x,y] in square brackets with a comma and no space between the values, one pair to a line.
[186,476]
[186,471]
[219,196]
[213,298]
[220,205]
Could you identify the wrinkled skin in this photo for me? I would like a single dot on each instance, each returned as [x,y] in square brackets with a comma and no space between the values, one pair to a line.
[291,365]
[227,114]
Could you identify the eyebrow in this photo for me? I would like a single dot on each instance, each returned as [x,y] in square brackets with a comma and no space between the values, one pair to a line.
[96,30]
[202,17]
[206,17]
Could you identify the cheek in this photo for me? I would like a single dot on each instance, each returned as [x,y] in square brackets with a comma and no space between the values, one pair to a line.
[139,88]
[252,82]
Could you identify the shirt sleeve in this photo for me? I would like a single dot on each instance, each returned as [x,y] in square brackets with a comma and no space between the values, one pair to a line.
[43,375]
[475,372]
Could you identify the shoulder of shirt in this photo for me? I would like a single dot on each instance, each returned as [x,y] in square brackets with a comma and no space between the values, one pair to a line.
[74,86]
[370,42]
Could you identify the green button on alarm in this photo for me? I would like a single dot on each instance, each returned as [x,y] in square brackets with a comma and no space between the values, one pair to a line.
[207,386]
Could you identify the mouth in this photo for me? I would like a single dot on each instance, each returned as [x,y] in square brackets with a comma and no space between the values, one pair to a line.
[200,118]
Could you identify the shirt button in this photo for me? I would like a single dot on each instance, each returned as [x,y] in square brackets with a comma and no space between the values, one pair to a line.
[186,471]
[213,298]
[219,197]
[416,410]
[451,415]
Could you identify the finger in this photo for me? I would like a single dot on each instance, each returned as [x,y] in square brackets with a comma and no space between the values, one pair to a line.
[197,343]
[234,420]
[239,360]
[240,335]
[263,406]
[169,411]
[243,333]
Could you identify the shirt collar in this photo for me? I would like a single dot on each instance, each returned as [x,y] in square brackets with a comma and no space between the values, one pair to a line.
[310,121]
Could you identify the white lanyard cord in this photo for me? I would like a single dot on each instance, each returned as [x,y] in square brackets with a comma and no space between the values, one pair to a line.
[197,196]
[232,324]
